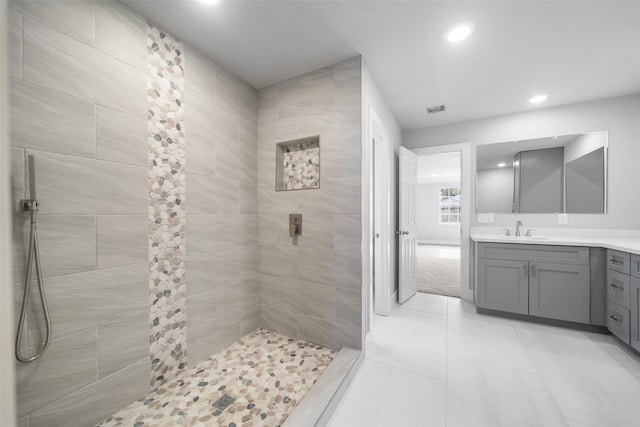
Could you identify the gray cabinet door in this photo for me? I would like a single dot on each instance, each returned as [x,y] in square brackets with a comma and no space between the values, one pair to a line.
[635,313]
[559,291]
[502,285]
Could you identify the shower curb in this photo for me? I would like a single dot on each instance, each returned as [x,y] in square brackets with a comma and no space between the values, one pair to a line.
[318,405]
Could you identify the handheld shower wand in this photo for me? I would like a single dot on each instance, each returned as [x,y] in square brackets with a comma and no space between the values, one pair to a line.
[31,206]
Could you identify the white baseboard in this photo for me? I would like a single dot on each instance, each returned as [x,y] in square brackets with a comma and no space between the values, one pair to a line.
[439,242]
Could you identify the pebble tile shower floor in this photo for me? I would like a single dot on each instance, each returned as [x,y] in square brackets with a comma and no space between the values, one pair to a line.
[267,374]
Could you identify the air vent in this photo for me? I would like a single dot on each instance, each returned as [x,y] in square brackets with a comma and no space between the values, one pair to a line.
[435,109]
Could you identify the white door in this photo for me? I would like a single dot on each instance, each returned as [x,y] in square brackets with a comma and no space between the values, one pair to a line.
[408,171]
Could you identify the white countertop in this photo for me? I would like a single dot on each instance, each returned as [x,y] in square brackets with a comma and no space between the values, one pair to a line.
[620,240]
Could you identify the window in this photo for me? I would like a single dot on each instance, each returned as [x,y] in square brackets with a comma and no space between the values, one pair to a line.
[449,206]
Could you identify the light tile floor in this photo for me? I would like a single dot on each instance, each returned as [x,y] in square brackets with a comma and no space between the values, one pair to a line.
[434,362]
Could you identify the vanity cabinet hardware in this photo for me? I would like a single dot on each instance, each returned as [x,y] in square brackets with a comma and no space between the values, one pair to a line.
[619,261]
[618,321]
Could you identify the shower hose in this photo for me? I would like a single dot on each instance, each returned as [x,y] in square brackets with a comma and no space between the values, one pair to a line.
[34,255]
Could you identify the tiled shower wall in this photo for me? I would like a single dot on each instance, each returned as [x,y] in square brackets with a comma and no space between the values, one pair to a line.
[311,288]
[79,104]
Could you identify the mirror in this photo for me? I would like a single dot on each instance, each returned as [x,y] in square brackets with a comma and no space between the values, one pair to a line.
[558,174]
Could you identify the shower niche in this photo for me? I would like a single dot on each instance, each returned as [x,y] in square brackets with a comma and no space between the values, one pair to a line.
[298,164]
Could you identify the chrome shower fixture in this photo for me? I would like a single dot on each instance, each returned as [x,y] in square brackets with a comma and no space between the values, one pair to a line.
[31,206]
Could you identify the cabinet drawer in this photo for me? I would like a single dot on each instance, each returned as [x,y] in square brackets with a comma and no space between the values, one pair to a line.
[535,253]
[618,288]
[635,266]
[618,321]
[618,261]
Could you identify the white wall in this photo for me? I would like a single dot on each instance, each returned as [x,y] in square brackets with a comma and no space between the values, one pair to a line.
[372,98]
[495,190]
[428,227]
[7,368]
[618,115]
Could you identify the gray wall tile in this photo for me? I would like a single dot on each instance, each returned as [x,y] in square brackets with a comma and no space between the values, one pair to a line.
[325,102]
[248,197]
[199,108]
[67,244]
[277,320]
[18,188]
[341,269]
[348,232]
[202,346]
[238,300]
[23,422]
[337,196]
[15,45]
[280,261]
[250,324]
[233,164]
[209,195]
[209,270]
[97,401]
[200,155]
[269,290]
[121,33]
[83,300]
[271,201]
[74,18]
[237,230]
[121,137]
[122,240]
[319,331]
[201,311]
[70,363]
[73,185]
[202,234]
[46,120]
[226,123]
[199,73]
[56,61]
[122,342]
[309,298]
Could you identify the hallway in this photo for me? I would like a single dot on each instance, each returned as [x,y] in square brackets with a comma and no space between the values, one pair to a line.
[475,370]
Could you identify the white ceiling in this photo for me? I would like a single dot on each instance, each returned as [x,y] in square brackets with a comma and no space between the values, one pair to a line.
[439,168]
[573,50]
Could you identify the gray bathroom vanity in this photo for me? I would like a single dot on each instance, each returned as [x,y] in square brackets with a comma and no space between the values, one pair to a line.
[582,282]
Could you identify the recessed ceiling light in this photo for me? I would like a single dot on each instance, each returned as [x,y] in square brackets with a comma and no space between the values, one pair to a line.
[210,1]
[459,32]
[501,165]
[434,175]
[538,98]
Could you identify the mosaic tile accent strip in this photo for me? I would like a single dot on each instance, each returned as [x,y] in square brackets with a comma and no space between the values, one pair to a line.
[167,215]
[301,166]
[266,373]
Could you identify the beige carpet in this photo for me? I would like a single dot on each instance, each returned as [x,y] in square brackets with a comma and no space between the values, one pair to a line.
[438,269]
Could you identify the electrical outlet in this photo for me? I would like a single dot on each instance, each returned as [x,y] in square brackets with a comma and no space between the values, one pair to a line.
[486,218]
[563,219]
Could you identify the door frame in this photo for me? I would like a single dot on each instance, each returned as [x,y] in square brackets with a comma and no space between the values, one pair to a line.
[466,289]
[380,294]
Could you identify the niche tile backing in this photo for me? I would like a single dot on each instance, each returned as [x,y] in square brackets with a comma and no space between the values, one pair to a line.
[298,164]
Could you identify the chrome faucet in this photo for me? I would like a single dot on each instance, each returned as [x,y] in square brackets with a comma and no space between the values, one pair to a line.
[518,225]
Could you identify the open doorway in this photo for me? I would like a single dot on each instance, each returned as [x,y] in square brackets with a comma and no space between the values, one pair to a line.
[438,217]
